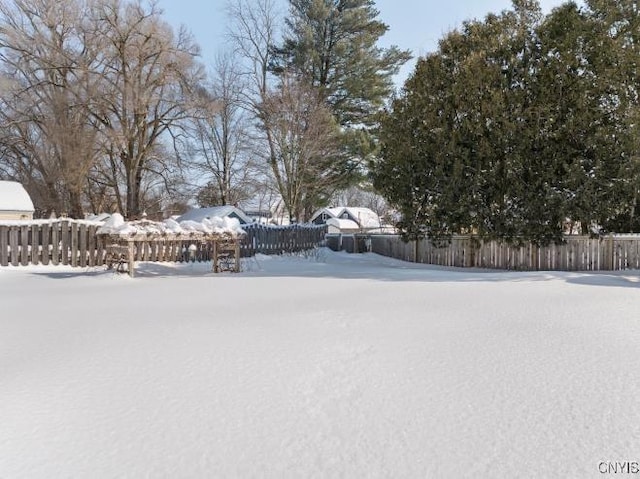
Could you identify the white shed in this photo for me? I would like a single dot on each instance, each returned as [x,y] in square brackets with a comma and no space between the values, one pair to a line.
[15,202]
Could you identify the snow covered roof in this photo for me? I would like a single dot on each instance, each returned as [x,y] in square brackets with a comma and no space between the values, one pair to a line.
[343,224]
[199,214]
[331,212]
[13,197]
[365,217]
[335,212]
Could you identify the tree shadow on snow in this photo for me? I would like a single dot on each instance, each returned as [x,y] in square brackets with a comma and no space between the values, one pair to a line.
[622,279]
[325,264]
[379,268]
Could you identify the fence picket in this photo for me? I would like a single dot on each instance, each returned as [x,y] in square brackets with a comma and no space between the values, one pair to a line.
[91,246]
[24,245]
[74,244]
[13,244]
[55,244]
[83,245]
[45,242]
[64,242]
[4,245]
[35,243]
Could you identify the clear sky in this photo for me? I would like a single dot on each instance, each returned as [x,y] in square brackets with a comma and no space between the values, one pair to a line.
[416,25]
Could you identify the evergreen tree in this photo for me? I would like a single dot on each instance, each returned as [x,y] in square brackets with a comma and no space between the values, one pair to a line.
[514,125]
[333,45]
[617,28]
[466,113]
[576,124]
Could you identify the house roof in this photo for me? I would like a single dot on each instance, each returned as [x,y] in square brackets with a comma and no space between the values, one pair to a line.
[343,224]
[332,212]
[365,217]
[335,212]
[199,214]
[13,197]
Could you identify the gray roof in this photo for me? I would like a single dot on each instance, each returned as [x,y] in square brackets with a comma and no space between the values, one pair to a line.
[199,214]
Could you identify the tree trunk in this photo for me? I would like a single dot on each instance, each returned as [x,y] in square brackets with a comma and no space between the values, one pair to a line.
[75,205]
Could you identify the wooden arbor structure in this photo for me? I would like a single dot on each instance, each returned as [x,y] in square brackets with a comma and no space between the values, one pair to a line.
[122,251]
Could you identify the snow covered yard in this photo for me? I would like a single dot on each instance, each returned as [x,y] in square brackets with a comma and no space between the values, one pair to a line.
[330,366]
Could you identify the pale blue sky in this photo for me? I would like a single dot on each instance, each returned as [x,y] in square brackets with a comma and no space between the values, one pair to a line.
[416,25]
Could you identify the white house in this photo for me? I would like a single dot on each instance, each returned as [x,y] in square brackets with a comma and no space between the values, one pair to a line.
[15,202]
[346,219]
[199,214]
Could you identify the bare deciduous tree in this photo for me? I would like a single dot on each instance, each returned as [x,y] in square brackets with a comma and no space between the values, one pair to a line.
[47,139]
[220,135]
[305,144]
[254,31]
[148,72]
[91,91]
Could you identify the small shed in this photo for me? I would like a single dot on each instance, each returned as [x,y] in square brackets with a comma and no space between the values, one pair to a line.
[15,202]
[200,214]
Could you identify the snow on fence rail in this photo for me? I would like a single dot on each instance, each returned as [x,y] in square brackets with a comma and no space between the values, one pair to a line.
[76,243]
[578,253]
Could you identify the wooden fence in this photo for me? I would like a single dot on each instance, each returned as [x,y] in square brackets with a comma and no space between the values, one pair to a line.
[281,239]
[76,243]
[578,253]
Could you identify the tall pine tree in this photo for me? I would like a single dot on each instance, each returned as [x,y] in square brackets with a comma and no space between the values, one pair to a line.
[333,45]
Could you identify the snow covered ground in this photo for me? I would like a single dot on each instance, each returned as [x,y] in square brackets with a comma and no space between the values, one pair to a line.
[328,366]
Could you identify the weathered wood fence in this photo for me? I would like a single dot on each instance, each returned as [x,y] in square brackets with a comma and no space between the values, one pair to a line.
[281,239]
[55,242]
[75,243]
[578,253]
